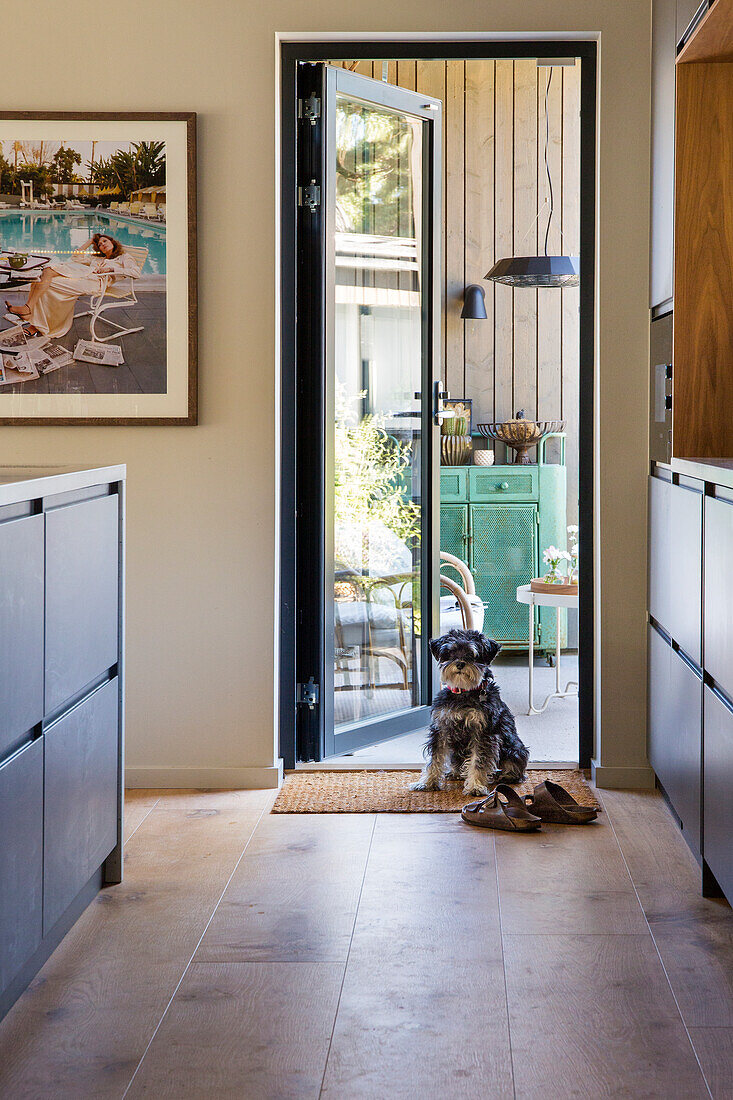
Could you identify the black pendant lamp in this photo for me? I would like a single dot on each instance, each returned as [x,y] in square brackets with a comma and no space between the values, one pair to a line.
[538,270]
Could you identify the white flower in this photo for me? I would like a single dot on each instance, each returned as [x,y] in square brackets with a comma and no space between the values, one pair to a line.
[572,529]
[574,550]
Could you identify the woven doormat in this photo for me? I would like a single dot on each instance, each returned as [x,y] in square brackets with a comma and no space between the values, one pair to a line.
[388,792]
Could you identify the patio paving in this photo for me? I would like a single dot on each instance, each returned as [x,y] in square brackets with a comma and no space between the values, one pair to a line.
[144,369]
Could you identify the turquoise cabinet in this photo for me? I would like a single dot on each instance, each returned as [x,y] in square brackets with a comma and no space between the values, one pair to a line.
[499,519]
[503,553]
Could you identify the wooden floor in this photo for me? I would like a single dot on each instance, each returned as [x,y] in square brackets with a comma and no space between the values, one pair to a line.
[393,956]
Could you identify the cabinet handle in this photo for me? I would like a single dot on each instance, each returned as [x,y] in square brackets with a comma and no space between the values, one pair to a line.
[504,485]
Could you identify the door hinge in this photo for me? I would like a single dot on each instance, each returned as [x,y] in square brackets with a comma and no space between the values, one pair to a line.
[310,195]
[310,108]
[537,517]
[308,694]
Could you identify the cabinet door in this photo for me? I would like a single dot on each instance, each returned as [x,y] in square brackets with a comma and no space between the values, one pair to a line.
[686,570]
[718,773]
[80,797]
[662,204]
[21,859]
[659,653]
[454,530]
[21,628]
[675,731]
[82,556]
[503,556]
[660,550]
[683,764]
[719,592]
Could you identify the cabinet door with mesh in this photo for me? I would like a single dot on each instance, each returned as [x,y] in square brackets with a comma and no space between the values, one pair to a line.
[503,556]
[454,530]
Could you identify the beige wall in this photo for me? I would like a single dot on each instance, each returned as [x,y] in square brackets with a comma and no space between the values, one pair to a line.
[202,530]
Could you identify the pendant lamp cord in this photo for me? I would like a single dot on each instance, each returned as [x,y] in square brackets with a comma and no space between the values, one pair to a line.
[547,163]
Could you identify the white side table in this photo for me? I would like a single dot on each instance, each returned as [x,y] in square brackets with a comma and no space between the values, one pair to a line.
[546,599]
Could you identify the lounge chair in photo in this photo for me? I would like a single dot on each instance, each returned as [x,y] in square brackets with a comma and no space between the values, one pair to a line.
[149,210]
[119,294]
[135,208]
[123,208]
[114,206]
[161,211]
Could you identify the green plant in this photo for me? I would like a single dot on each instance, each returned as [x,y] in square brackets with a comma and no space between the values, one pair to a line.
[374,513]
[454,425]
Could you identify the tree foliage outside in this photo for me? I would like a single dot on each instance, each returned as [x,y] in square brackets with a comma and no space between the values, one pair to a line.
[373,171]
[45,164]
[377,524]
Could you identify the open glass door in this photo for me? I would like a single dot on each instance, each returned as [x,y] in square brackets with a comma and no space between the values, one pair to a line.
[368,326]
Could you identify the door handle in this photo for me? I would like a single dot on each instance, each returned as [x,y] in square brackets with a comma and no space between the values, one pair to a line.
[439,396]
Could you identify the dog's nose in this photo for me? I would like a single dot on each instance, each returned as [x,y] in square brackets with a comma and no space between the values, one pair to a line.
[460,664]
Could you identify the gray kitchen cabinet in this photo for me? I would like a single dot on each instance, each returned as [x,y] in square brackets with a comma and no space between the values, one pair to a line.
[21,858]
[685,576]
[80,775]
[718,773]
[659,653]
[61,707]
[675,730]
[664,17]
[21,628]
[718,610]
[660,551]
[82,581]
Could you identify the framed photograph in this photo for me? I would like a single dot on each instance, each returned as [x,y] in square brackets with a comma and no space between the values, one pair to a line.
[98,268]
[460,406]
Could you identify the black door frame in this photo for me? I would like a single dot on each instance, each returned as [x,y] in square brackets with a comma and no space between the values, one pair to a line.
[290,637]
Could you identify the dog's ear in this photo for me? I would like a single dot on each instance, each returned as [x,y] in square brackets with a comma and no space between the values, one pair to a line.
[435,644]
[489,649]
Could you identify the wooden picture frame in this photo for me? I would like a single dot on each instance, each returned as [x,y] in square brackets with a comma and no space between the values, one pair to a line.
[59,175]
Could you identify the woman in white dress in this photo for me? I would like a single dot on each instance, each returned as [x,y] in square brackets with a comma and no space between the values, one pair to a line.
[52,299]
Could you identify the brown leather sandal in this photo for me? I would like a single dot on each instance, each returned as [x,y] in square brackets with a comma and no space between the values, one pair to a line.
[552,803]
[503,809]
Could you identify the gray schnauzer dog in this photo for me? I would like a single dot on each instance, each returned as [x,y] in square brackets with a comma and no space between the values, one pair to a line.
[471,728]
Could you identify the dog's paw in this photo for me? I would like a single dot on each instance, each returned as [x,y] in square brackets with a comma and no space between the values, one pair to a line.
[475,790]
[425,785]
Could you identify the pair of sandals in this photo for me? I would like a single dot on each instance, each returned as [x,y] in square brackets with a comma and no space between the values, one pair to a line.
[505,809]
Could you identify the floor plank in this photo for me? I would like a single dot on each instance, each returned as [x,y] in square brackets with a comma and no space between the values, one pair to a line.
[422,1011]
[593,1016]
[82,1026]
[714,1048]
[566,879]
[295,893]
[245,1031]
[138,805]
[664,871]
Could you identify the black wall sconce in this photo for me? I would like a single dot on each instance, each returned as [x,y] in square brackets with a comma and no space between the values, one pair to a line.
[474,303]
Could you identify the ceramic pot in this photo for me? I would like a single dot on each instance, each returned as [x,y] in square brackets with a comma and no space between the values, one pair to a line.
[455,450]
[484,457]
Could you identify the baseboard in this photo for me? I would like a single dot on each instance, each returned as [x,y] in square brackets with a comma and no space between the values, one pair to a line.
[202,779]
[640,778]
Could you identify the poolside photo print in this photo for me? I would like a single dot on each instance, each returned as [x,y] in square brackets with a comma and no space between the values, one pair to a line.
[97,268]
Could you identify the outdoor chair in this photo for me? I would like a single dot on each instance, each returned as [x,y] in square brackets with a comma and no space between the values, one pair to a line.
[135,208]
[149,210]
[161,211]
[463,609]
[119,294]
[124,208]
[114,206]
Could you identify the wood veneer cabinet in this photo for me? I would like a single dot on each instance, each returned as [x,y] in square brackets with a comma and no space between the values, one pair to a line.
[703,262]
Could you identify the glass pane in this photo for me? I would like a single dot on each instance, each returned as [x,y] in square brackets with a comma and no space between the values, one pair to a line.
[377,454]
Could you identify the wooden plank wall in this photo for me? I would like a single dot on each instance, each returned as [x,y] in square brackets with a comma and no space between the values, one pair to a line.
[495,204]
